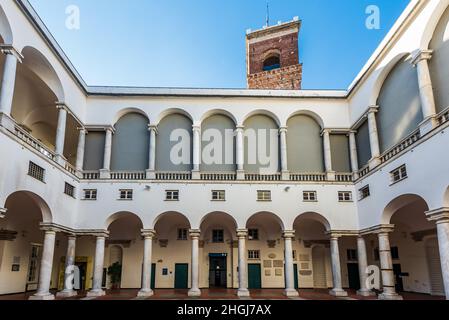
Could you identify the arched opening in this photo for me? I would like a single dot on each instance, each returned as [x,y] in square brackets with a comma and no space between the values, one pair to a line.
[272,62]
[265,247]
[313,253]
[414,257]
[174,144]
[171,252]
[399,105]
[218,144]
[218,251]
[438,65]
[123,247]
[21,242]
[305,145]
[261,144]
[130,143]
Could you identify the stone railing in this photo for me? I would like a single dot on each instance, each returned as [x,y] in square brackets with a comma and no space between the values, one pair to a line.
[173,176]
[91,175]
[33,142]
[216,176]
[404,144]
[308,177]
[262,177]
[443,117]
[364,171]
[344,177]
[70,168]
[128,175]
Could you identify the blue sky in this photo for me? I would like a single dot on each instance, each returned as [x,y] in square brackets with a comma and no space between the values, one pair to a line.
[201,43]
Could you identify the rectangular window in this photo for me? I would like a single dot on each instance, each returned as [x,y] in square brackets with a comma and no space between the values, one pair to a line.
[309,196]
[36,172]
[69,190]
[263,195]
[294,255]
[218,195]
[182,234]
[351,254]
[126,194]
[395,253]
[345,196]
[218,236]
[364,192]
[33,267]
[398,174]
[90,194]
[253,254]
[253,234]
[376,254]
[172,195]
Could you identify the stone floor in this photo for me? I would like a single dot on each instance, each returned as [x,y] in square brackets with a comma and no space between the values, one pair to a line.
[221,294]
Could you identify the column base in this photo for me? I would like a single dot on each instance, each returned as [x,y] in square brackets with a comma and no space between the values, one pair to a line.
[66,294]
[196,175]
[291,293]
[145,293]
[374,162]
[330,176]
[240,175]
[96,293]
[243,293]
[7,122]
[194,293]
[61,160]
[390,296]
[366,293]
[150,174]
[42,297]
[105,174]
[285,175]
[427,125]
[338,293]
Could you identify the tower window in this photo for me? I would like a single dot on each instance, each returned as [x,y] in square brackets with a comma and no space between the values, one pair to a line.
[272,63]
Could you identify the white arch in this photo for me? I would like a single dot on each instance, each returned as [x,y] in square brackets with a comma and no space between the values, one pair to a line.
[214,112]
[5,28]
[168,213]
[118,215]
[171,111]
[397,203]
[123,112]
[265,113]
[47,216]
[435,18]
[308,113]
[276,217]
[315,216]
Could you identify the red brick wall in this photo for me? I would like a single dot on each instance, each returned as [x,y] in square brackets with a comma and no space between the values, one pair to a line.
[287,78]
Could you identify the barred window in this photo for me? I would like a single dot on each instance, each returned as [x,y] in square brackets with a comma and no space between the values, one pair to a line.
[218,236]
[309,196]
[398,174]
[90,194]
[126,194]
[182,234]
[263,195]
[172,195]
[69,190]
[253,254]
[364,192]
[218,195]
[36,171]
[345,196]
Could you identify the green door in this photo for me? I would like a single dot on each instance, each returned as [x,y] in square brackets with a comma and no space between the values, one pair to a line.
[254,276]
[295,276]
[153,275]
[181,276]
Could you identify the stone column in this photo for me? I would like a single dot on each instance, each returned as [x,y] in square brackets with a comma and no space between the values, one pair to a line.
[43,290]
[240,153]
[146,290]
[420,61]
[97,288]
[105,172]
[80,149]
[373,137]
[363,265]
[441,217]
[8,83]
[290,290]
[284,154]
[243,275]
[353,154]
[195,287]
[386,265]
[336,268]
[151,172]
[69,269]
[196,152]
[3,212]
[60,132]
[328,155]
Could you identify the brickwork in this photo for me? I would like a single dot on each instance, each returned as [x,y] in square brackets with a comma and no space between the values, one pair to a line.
[287,78]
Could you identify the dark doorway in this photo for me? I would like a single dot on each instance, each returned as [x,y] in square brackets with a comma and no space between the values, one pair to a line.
[153,276]
[397,270]
[295,276]
[82,266]
[353,276]
[181,276]
[254,276]
[217,270]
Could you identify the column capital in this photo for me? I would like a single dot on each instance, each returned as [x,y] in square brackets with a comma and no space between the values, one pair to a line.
[440,215]
[82,129]
[153,127]
[352,132]
[242,233]
[3,212]
[194,233]
[420,55]
[60,105]
[148,233]
[10,49]
[196,127]
[283,129]
[382,228]
[372,109]
[240,127]
[288,234]
[109,129]
[326,131]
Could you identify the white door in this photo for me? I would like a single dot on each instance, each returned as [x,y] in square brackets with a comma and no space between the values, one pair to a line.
[319,267]
[433,261]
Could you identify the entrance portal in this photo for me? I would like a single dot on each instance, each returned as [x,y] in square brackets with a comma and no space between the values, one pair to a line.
[217,270]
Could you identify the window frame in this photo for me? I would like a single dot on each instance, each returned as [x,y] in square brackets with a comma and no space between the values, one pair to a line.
[69,190]
[91,191]
[262,195]
[220,195]
[254,254]
[37,172]
[182,234]
[129,194]
[171,195]
[252,237]
[306,196]
[342,196]
[216,235]
[364,192]
[399,174]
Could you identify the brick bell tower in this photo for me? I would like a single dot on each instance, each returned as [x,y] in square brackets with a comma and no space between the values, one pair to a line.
[272,57]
